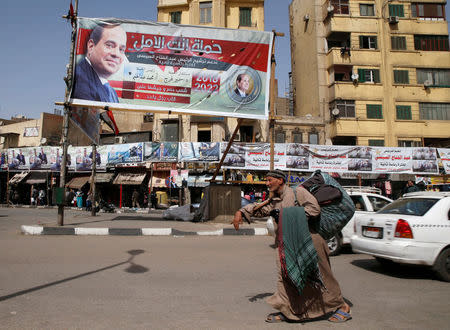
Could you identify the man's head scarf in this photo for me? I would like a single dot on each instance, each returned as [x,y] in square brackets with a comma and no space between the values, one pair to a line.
[277,174]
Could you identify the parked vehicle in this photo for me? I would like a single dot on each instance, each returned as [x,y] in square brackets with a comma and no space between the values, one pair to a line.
[414,229]
[367,200]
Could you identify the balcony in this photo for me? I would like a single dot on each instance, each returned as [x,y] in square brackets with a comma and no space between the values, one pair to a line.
[357,57]
[345,23]
[418,93]
[420,58]
[348,90]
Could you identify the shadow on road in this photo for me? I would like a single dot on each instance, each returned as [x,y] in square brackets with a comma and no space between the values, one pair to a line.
[395,270]
[134,217]
[259,296]
[133,268]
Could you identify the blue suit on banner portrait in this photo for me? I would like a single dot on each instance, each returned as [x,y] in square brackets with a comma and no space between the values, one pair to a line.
[88,86]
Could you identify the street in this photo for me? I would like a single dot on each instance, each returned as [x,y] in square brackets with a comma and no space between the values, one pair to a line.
[187,282]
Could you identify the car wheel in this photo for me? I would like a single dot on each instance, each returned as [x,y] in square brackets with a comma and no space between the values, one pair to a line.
[384,262]
[334,245]
[442,266]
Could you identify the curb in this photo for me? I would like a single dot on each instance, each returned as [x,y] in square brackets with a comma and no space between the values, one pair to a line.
[38,230]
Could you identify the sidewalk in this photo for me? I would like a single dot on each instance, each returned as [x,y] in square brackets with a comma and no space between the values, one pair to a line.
[140,222]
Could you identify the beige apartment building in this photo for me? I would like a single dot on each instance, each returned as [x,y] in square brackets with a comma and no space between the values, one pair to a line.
[243,14]
[371,72]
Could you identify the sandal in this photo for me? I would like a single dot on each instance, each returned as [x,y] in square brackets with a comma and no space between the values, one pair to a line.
[276,318]
[340,316]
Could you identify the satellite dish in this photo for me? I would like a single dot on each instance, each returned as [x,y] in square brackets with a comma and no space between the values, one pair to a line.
[308,116]
[43,140]
[427,83]
[355,77]
[330,9]
[335,112]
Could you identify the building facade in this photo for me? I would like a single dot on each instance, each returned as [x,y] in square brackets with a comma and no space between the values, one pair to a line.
[373,73]
[248,15]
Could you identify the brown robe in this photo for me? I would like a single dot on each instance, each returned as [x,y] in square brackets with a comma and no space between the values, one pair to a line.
[313,302]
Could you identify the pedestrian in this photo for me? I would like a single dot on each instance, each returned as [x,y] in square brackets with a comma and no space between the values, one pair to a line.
[135,199]
[410,187]
[89,200]
[41,197]
[153,199]
[315,300]
[79,199]
[34,196]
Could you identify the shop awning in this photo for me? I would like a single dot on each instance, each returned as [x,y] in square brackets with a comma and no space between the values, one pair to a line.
[17,178]
[37,177]
[78,183]
[129,178]
[103,177]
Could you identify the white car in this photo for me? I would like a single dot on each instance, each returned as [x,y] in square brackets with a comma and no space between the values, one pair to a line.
[367,201]
[414,229]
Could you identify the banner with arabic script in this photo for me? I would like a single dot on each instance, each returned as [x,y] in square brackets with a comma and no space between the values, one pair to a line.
[199,152]
[254,156]
[137,65]
[392,160]
[444,154]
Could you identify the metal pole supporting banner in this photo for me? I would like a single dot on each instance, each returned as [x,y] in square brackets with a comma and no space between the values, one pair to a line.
[93,178]
[65,131]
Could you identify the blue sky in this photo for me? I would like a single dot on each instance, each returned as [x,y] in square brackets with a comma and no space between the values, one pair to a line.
[36,43]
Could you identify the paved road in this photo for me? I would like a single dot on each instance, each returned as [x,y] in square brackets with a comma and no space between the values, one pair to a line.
[192,282]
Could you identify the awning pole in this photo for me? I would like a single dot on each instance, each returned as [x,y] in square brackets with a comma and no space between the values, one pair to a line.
[93,174]
[7,187]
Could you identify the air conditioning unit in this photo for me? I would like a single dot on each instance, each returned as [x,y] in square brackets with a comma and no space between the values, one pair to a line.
[427,83]
[119,139]
[393,19]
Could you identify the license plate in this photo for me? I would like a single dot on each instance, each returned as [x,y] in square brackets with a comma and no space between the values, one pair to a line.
[372,232]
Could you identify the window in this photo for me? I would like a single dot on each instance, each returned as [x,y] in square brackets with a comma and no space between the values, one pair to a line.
[340,6]
[374,111]
[359,202]
[313,138]
[396,10]
[427,10]
[434,111]
[401,77]
[175,17]
[346,108]
[398,43]
[297,137]
[409,143]
[205,12]
[369,75]
[280,137]
[404,112]
[431,42]
[437,77]
[366,10]
[148,118]
[245,16]
[376,143]
[377,202]
[368,42]
[169,132]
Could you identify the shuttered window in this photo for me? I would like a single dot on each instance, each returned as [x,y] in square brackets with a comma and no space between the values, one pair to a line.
[205,12]
[175,17]
[245,16]
[374,111]
[369,75]
[396,10]
[398,43]
[404,112]
[431,42]
[401,76]
[376,143]
[366,10]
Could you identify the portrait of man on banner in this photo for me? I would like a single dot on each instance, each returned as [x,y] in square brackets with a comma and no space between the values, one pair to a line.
[104,57]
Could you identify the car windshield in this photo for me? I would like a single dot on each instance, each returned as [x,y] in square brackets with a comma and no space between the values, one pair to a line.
[409,206]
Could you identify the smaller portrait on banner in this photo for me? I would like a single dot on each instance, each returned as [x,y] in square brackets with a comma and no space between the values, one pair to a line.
[296,149]
[424,153]
[245,86]
[297,163]
[83,161]
[3,159]
[356,164]
[234,160]
[361,152]
[425,166]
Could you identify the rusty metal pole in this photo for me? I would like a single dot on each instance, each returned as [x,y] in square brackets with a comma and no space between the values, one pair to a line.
[93,179]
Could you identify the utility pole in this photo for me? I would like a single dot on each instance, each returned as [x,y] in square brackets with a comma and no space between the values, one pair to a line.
[68,79]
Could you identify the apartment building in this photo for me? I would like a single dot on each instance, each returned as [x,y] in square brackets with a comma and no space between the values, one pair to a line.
[372,72]
[248,14]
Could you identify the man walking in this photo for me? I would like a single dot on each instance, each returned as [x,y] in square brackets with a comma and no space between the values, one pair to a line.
[314,301]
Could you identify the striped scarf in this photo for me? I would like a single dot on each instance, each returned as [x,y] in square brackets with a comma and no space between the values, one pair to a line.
[298,257]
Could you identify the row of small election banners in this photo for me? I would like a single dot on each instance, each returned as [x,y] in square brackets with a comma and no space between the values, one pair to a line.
[248,156]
